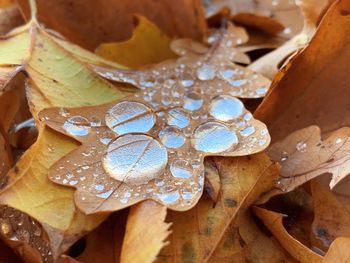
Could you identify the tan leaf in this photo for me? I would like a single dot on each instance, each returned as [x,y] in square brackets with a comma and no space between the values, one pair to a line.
[141,146]
[224,232]
[338,251]
[145,234]
[274,222]
[331,216]
[300,96]
[109,21]
[212,183]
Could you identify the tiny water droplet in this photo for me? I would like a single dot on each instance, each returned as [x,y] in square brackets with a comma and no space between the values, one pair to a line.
[169,198]
[247,131]
[227,73]
[181,169]
[301,146]
[205,72]
[338,140]
[171,137]
[77,126]
[178,118]
[192,101]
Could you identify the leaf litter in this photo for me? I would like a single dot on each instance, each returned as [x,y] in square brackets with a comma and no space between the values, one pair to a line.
[185,108]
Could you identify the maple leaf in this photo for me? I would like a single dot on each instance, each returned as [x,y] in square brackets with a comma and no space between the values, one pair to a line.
[188,105]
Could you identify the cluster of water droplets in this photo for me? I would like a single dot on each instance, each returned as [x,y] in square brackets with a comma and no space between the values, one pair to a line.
[19,227]
[153,144]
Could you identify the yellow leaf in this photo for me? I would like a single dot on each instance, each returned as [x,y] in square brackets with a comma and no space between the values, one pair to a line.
[148,45]
[145,233]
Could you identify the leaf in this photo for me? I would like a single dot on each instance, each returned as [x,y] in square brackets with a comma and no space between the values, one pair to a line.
[10,17]
[303,156]
[300,95]
[212,183]
[145,233]
[154,170]
[105,242]
[273,221]
[224,232]
[338,251]
[331,216]
[148,45]
[269,64]
[110,21]
[55,78]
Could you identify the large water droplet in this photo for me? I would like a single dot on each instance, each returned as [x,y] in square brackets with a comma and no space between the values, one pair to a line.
[192,101]
[181,169]
[77,126]
[213,137]
[135,159]
[205,72]
[169,198]
[171,137]
[178,118]
[226,108]
[128,116]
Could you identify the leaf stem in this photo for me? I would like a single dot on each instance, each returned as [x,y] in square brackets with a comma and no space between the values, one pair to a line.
[33,10]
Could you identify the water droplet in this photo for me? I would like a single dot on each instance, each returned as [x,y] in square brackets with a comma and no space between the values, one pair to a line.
[99,187]
[261,90]
[171,137]
[63,112]
[338,140]
[284,156]
[77,126]
[227,73]
[205,72]
[247,131]
[95,122]
[135,159]
[186,80]
[105,195]
[181,169]
[213,137]
[169,198]
[127,117]
[178,118]
[238,82]
[301,146]
[105,141]
[192,101]
[226,108]
[262,142]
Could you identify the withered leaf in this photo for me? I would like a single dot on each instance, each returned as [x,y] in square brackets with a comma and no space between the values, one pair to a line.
[300,97]
[338,251]
[109,20]
[185,110]
[274,222]
[303,156]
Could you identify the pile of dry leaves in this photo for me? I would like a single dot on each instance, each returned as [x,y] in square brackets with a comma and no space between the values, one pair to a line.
[174,131]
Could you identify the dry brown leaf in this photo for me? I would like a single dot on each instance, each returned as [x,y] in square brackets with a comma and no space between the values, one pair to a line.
[303,156]
[269,64]
[105,242]
[274,222]
[109,21]
[338,251]
[211,233]
[10,17]
[212,183]
[169,132]
[145,234]
[331,216]
[7,255]
[300,96]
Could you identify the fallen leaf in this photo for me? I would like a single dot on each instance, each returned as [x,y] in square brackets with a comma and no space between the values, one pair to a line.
[331,216]
[304,156]
[7,255]
[10,17]
[224,232]
[109,21]
[274,222]
[145,172]
[300,95]
[338,251]
[148,45]
[56,78]
[269,64]
[212,183]
[145,234]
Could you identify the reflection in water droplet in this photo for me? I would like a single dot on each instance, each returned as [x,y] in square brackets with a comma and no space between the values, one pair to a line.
[128,116]
[247,131]
[181,169]
[95,122]
[192,101]
[227,73]
[186,80]
[238,82]
[77,126]
[205,72]
[135,159]
[169,198]
[225,108]
[213,137]
[171,137]
[178,118]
